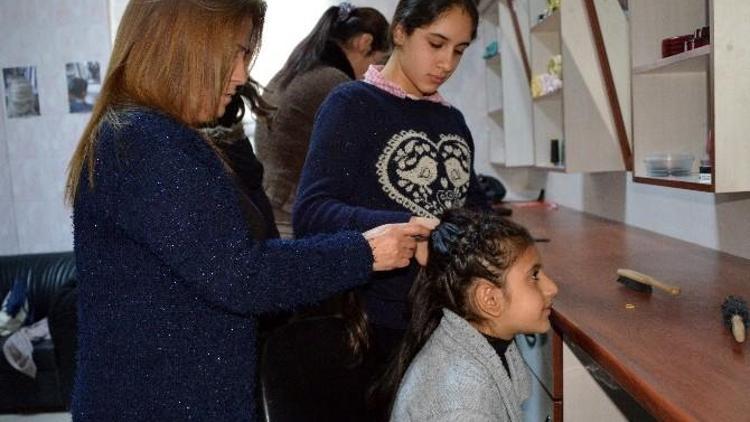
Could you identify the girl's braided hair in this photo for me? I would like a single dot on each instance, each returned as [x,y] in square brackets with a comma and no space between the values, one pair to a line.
[465,246]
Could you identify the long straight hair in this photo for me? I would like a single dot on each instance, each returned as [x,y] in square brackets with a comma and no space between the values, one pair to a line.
[339,24]
[174,56]
[250,93]
[464,247]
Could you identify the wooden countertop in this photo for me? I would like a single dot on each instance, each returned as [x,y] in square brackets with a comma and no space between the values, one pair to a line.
[671,353]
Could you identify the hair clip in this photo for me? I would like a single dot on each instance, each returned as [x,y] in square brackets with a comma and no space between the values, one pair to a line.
[345,10]
[445,236]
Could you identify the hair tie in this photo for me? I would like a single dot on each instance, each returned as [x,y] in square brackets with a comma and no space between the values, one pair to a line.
[445,236]
[345,10]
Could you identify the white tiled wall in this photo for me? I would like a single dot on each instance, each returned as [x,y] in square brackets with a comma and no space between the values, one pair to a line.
[34,151]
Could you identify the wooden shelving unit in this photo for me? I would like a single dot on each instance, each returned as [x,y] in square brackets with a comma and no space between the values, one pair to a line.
[580,115]
[494,64]
[695,60]
[678,101]
[508,118]
[489,30]
[554,95]
[550,23]
[546,42]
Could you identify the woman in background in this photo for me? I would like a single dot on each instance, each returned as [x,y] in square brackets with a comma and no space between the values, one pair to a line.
[174,264]
[344,42]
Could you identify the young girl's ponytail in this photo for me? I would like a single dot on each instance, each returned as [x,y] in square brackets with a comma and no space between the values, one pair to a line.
[464,246]
[425,317]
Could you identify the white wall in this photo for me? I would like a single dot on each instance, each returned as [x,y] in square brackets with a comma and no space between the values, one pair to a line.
[34,151]
[715,221]
[287,23]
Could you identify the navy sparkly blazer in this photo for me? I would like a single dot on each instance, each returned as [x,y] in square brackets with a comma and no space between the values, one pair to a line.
[171,279]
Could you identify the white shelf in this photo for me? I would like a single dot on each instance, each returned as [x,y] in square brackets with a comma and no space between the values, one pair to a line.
[691,61]
[678,100]
[496,115]
[494,63]
[554,95]
[549,24]
[582,116]
[516,117]
[551,166]
[693,178]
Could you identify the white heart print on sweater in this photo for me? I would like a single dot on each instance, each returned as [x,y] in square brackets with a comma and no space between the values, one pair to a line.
[424,176]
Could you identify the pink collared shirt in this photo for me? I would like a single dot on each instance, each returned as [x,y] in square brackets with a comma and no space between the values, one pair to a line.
[374,76]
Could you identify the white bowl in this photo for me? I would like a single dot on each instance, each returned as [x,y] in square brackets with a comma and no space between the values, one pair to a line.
[662,165]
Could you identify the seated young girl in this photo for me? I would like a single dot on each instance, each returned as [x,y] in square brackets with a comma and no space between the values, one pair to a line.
[482,285]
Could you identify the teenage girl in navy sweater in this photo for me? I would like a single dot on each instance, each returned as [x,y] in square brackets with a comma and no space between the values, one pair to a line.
[390,149]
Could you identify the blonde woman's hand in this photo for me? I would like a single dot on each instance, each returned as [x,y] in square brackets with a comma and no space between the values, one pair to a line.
[422,252]
[393,245]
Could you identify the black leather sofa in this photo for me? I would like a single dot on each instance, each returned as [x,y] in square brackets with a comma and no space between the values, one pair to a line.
[52,294]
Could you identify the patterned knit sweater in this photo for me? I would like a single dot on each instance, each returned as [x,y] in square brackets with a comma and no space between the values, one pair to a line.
[376,158]
[171,281]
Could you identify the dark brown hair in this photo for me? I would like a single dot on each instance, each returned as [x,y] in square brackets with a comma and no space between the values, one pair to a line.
[338,24]
[413,14]
[235,110]
[465,246]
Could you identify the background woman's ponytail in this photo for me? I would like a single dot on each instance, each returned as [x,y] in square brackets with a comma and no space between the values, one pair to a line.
[338,25]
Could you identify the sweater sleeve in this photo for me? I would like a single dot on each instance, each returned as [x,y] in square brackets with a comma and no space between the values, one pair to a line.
[289,138]
[328,177]
[177,201]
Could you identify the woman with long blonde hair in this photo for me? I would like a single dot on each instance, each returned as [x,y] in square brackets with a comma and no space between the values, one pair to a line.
[174,263]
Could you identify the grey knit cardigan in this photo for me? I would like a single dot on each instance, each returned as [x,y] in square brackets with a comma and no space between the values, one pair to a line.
[458,376]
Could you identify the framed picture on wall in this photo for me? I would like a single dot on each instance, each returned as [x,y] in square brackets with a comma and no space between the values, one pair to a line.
[21,91]
[84,84]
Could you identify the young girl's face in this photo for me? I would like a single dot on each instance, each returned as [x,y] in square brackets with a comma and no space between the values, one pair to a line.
[430,55]
[526,298]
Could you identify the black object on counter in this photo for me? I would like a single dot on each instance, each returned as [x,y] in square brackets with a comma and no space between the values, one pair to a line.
[554,151]
[735,315]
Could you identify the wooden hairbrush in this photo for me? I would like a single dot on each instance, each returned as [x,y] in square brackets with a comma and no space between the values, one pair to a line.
[735,315]
[644,283]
